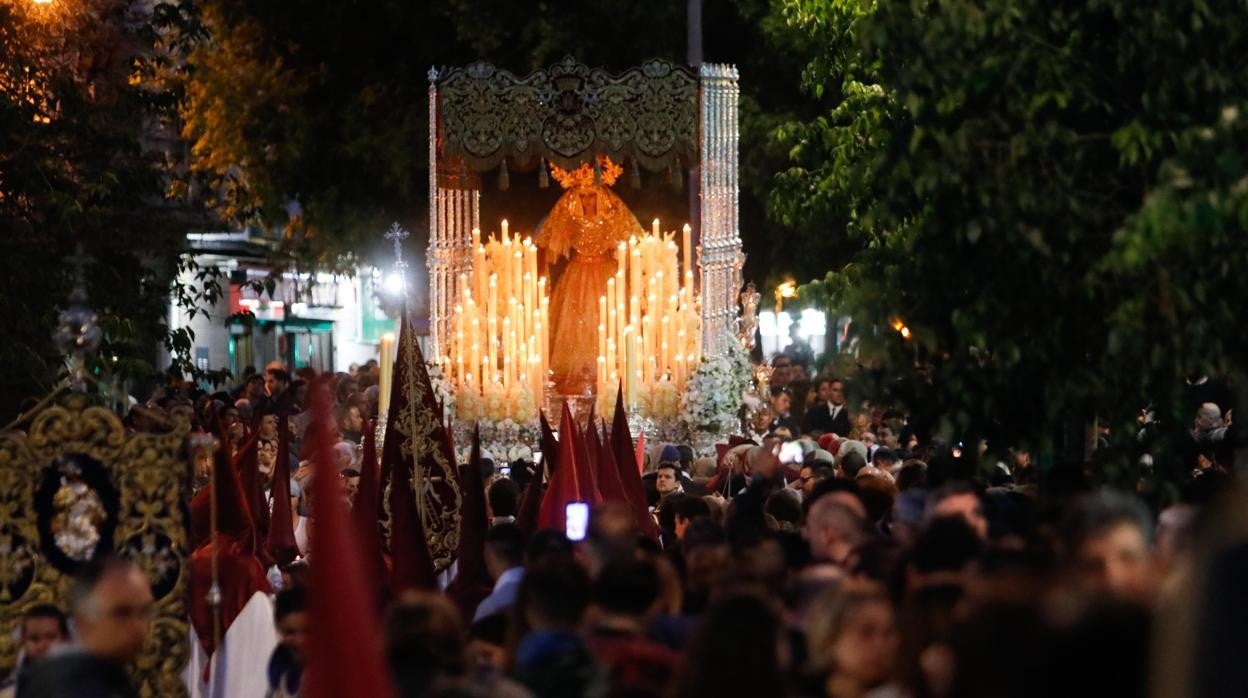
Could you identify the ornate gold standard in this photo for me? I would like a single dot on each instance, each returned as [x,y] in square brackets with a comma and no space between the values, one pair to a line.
[78,486]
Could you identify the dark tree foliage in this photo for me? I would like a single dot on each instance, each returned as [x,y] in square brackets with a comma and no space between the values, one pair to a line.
[1007,172]
[83,104]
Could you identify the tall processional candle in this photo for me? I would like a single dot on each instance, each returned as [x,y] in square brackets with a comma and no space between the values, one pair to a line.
[387,373]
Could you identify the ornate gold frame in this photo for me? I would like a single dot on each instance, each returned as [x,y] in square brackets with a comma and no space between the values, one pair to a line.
[150,473]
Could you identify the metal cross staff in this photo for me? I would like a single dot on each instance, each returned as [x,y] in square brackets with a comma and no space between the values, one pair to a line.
[397,235]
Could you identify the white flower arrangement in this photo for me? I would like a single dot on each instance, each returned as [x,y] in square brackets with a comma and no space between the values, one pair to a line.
[714,392]
[443,390]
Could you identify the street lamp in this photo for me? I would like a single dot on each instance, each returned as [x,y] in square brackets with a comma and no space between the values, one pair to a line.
[788,289]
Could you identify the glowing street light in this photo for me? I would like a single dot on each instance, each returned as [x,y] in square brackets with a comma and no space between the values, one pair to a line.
[788,289]
[394,283]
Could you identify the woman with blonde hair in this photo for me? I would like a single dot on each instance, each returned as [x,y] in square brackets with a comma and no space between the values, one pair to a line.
[852,639]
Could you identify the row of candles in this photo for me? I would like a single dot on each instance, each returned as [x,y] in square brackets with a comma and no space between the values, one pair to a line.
[501,340]
[648,318]
[649,334]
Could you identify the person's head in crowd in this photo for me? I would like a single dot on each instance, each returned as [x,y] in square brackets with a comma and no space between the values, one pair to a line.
[1175,526]
[344,455]
[611,534]
[687,510]
[245,410]
[504,549]
[853,639]
[913,474]
[350,484]
[276,381]
[1208,418]
[781,371]
[268,426]
[811,475]
[291,616]
[960,500]
[299,394]
[877,489]
[887,437]
[781,401]
[841,490]
[295,575]
[1107,537]
[43,627]
[884,459]
[785,507]
[739,648]
[686,456]
[909,514]
[350,420]
[836,392]
[942,553]
[547,545]
[347,386]
[488,469]
[424,642]
[851,462]
[487,644]
[266,458]
[112,608]
[228,413]
[554,596]
[703,468]
[667,479]
[503,498]
[833,530]
[253,391]
[624,593]
[822,392]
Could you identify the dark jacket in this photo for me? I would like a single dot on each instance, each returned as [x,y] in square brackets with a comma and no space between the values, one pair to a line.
[76,675]
[819,420]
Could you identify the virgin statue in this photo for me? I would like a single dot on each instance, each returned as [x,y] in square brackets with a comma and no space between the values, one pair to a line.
[586,225]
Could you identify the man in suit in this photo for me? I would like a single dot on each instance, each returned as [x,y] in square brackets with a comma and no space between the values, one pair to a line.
[830,415]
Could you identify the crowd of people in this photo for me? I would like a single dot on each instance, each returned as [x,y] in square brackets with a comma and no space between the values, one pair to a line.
[837,555]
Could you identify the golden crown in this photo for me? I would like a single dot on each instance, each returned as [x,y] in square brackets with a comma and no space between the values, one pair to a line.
[585,176]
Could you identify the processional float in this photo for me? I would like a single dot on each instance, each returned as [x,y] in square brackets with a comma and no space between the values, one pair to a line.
[647,309]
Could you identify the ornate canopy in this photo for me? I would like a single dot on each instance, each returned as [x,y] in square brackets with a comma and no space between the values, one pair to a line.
[567,115]
[659,116]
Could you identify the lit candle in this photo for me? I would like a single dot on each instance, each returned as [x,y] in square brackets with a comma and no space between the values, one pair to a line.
[686,241]
[611,361]
[654,227]
[629,362]
[634,274]
[387,373]
[647,337]
[602,326]
[478,270]
[664,360]
[506,235]
[517,274]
